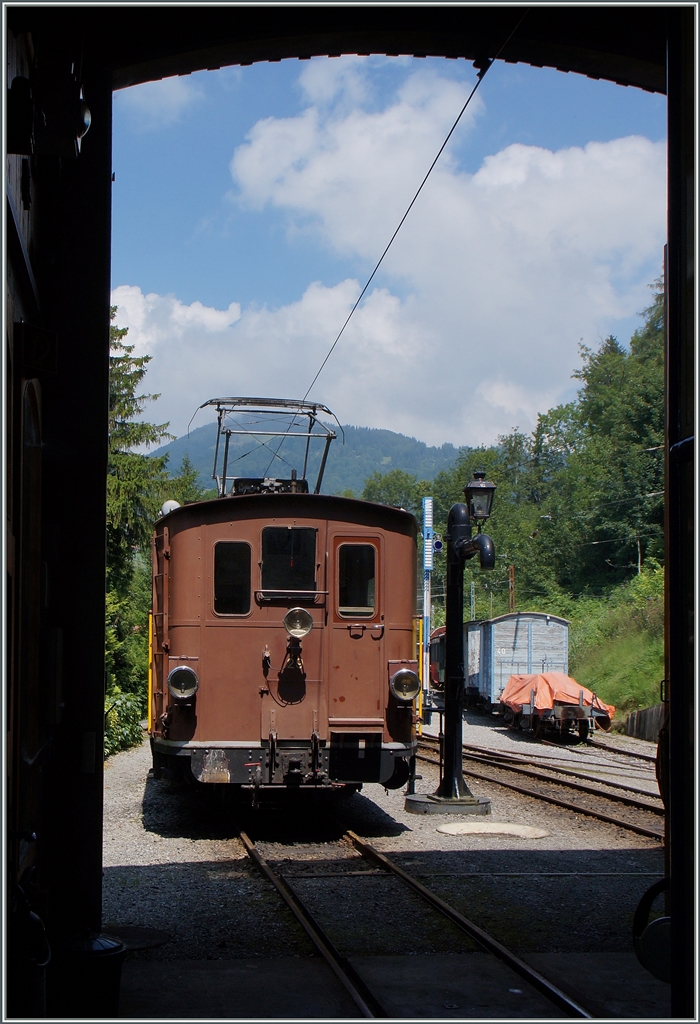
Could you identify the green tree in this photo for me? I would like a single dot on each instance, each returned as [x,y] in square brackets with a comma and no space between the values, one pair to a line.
[185,487]
[397,488]
[579,504]
[134,487]
[604,499]
[134,481]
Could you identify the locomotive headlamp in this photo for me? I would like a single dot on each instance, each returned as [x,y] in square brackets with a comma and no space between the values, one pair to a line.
[298,622]
[183,682]
[405,685]
[479,494]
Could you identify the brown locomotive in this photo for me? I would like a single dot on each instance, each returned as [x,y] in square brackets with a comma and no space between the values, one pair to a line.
[282,640]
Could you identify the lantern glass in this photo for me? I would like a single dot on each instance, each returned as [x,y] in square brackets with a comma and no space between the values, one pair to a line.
[479,494]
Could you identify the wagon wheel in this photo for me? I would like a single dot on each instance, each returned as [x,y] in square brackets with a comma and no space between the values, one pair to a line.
[583,729]
[539,729]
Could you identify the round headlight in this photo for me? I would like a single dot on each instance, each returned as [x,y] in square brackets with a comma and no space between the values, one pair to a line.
[405,684]
[298,622]
[183,682]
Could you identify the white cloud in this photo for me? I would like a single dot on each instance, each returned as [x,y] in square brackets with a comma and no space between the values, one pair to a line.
[492,282]
[155,321]
[156,104]
[354,172]
[200,352]
[323,80]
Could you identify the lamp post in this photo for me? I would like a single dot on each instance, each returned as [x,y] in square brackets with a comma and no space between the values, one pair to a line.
[453,795]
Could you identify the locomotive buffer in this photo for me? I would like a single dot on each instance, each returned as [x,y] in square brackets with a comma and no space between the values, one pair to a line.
[453,796]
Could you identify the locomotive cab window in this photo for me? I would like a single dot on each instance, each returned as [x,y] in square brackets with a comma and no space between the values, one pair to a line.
[357,572]
[288,558]
[232,578]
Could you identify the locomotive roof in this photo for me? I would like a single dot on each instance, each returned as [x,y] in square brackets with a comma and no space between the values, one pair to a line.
[307,506]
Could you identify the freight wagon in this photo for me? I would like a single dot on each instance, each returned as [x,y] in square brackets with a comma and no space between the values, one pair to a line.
[520,643]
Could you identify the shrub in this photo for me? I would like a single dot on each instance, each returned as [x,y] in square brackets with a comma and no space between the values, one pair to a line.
[123,714]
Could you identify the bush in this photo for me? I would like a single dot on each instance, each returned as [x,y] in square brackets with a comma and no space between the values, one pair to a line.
[123,714]
[126,651]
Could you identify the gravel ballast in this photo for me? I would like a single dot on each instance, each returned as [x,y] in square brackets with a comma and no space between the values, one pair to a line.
[173,862]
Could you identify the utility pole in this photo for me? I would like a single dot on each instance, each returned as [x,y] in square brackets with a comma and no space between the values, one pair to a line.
[511,588]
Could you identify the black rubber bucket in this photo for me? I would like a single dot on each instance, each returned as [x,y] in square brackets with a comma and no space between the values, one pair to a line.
[85,977]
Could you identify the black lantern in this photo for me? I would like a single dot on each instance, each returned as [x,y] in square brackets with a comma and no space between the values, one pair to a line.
[479,494]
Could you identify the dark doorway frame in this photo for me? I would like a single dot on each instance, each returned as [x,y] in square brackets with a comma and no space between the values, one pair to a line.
[57,338]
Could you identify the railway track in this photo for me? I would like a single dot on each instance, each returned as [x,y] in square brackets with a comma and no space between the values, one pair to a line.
[619,750]
[603,767]
[365,1000]
[552,781]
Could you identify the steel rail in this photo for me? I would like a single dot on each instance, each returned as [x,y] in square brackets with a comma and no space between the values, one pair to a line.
[366,1002]
[515,755]
[568,753]
[576,808]
[547,765]
[534,773]
[619,750]
[575,751]
[555,995]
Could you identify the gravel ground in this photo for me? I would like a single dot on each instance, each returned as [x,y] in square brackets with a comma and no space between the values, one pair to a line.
[173,862]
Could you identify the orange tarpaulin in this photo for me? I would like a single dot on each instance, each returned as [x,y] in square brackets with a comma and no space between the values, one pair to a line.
[550,687]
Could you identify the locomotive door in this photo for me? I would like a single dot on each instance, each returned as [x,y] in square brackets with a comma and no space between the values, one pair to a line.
[357,665]
[293,705]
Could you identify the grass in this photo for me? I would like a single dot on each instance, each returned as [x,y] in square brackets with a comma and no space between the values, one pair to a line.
[617,644]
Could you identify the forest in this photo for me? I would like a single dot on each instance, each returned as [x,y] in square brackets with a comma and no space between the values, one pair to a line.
[578,512]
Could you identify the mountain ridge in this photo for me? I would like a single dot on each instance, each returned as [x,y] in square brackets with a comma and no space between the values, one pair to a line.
[366,450]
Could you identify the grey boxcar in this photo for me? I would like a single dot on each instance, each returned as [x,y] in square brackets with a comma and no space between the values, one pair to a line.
[518,643]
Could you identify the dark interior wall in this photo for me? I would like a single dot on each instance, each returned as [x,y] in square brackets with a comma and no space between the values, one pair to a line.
[681,345]
[57,343]
[58,290]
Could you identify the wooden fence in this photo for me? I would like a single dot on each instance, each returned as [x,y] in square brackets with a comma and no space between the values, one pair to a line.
[645,724]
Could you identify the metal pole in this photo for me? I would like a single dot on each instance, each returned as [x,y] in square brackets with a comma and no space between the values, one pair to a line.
[453,786]
[223,478]
[453,795]
[427,569]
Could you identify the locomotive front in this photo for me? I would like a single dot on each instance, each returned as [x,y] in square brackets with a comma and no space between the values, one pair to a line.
[282,638]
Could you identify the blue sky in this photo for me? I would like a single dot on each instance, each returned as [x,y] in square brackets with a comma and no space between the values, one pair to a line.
[250,205]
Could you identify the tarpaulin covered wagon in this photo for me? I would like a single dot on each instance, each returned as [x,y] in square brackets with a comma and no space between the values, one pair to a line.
[552,701]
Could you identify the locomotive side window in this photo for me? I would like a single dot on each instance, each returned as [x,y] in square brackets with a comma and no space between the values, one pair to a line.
[288,558]
[356,580]
[232,578]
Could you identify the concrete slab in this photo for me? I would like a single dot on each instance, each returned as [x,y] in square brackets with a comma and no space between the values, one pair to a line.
[471,985]
[427,803]
[423,986]
[258,988]
[427,986]
[608,984]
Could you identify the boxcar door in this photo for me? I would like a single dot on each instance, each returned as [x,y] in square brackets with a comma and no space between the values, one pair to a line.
[357,663]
